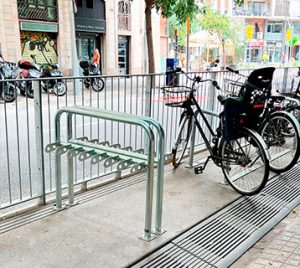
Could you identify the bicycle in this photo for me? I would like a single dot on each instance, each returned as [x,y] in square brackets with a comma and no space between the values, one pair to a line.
[278,127]
[241,153]
[294,94]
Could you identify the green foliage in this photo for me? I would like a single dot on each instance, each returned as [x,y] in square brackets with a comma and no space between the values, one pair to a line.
[182,9]
[216,23]
[174,24]
[239,2]
[294,40]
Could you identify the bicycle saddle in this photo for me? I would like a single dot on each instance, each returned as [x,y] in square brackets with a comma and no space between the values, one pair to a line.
[225,99]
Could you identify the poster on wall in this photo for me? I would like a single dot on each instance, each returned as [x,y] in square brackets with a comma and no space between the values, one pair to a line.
[42,45]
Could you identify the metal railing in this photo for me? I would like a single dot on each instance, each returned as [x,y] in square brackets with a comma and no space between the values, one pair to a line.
[35,10]
[27,174]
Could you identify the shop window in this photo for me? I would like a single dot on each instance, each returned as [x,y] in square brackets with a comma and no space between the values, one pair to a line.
[90,4]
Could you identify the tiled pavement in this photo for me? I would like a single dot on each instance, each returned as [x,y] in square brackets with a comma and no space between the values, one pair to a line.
[279,248]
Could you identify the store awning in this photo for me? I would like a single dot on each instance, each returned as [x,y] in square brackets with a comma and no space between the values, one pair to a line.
[256,43]
[203,39]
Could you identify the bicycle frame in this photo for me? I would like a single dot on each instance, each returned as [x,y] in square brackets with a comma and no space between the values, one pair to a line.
[195,113]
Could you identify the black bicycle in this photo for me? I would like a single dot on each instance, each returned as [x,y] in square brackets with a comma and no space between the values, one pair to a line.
[277,126]
[292,105]
[238,150]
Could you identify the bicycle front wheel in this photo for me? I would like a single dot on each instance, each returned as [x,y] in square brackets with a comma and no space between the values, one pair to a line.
[282,138]
[182,139]
[245,163]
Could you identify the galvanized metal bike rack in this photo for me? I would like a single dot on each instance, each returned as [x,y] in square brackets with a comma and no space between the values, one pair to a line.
[124,158]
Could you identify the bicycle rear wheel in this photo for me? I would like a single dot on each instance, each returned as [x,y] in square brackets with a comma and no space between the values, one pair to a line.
[282,138]
[245,162]
[182,139]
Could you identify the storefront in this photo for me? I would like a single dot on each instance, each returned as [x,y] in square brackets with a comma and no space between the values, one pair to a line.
[273,49]
[90,26]
[255,50]
[40,40]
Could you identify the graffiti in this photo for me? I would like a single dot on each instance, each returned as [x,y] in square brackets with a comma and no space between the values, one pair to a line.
[42,45]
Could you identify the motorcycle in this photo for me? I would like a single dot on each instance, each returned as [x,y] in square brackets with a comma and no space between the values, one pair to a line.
[8,70]
[90,70]
[33,70]
[27,70]
[57,86]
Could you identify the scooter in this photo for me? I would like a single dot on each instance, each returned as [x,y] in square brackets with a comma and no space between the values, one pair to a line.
[90,70]
[57,86]
[27,70]
[8,70]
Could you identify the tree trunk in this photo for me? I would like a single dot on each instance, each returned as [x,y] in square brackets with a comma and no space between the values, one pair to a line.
[148,9]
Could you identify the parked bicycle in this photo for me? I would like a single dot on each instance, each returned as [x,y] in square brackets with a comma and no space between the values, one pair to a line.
[278,127]
[292,105]
[239,151]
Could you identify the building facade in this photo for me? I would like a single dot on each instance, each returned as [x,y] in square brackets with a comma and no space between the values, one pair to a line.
[47,28]
[275,29]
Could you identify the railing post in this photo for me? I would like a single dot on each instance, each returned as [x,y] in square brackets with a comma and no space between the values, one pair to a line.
[38,111]
[149,86]
[285,78]
[211,97]
[148,94]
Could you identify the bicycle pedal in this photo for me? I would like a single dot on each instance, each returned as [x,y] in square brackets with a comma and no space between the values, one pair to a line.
[198,170]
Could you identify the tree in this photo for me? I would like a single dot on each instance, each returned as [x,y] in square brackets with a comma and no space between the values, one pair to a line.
[182,9]
[220,25]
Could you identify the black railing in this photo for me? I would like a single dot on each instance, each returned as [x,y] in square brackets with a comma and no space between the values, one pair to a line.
[43,10]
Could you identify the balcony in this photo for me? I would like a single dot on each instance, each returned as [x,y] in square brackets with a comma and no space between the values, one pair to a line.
[273,36]
[252,11]
[45,10]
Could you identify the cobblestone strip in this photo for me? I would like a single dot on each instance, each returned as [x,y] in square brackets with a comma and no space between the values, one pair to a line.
[279,248]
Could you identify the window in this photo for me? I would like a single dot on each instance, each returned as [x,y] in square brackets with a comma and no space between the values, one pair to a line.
[89,4]
[124,15]
[79,3]
[274,28]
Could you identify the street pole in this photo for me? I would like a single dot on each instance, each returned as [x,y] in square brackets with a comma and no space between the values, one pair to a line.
[75,62]
[188,30]
[187,52]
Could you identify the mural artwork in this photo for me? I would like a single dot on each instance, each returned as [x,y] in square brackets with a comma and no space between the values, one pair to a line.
[42,45]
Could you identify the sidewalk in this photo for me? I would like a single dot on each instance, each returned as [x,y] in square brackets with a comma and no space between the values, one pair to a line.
[279,248]
[102,230]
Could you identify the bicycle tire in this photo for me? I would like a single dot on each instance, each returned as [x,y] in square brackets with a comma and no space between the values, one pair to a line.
[281,134]
[245,163]
[182,138]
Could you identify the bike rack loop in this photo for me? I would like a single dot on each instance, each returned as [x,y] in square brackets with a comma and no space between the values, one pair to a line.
[143,122]
[160,167]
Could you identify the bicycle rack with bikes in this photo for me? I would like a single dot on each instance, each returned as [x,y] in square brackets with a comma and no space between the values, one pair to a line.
[123,158]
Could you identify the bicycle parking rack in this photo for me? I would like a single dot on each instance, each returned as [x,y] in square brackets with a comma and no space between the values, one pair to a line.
[123,158]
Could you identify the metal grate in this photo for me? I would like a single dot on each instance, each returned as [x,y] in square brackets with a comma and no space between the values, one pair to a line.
[222,238]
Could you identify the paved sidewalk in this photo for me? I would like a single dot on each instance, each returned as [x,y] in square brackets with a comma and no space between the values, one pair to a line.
[279,248]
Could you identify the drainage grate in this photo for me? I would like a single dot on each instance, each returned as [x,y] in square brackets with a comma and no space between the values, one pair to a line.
[222,238]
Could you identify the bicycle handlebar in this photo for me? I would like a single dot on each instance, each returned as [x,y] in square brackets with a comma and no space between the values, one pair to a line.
[232,70]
